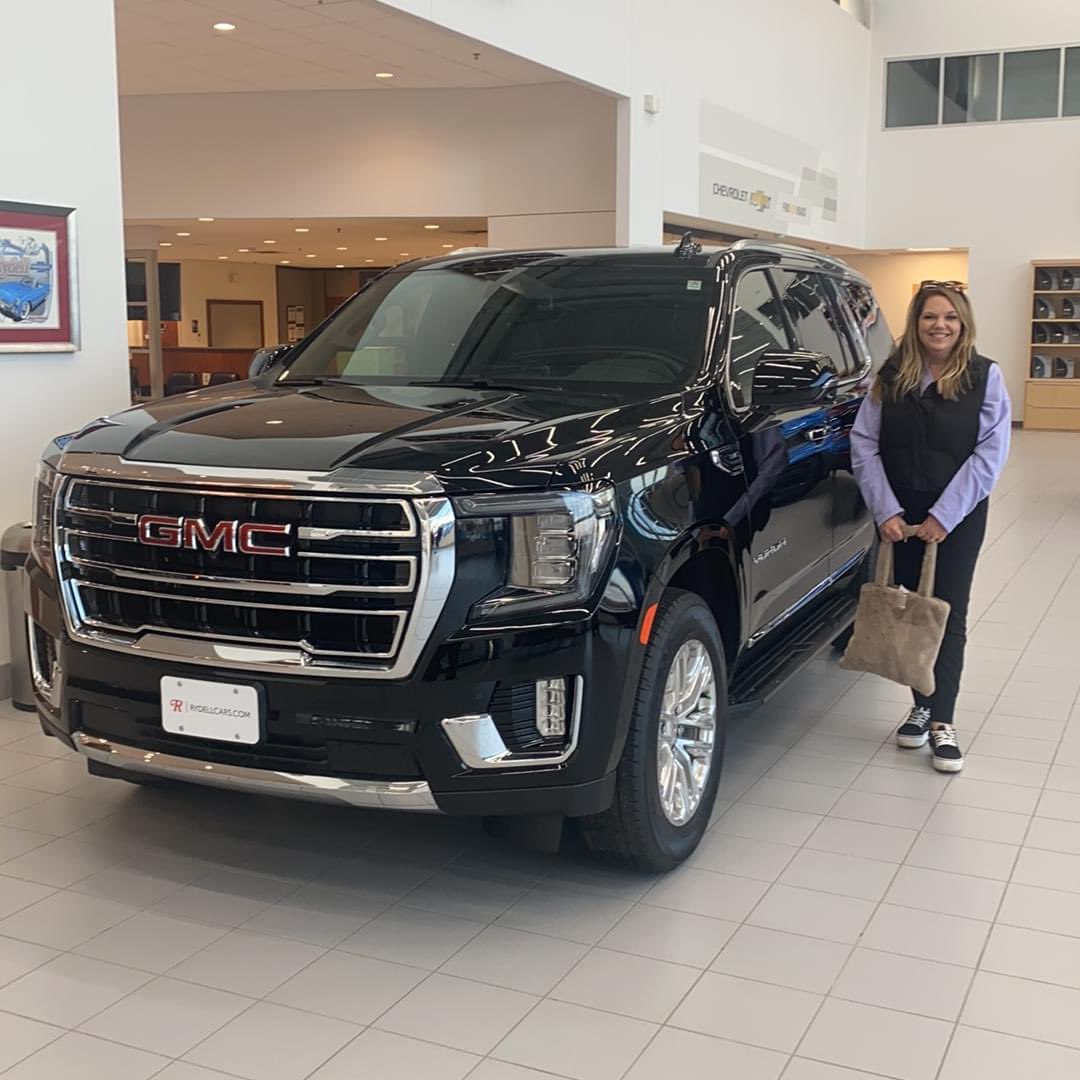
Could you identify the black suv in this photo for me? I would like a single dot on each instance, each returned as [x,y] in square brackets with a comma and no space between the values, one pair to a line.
[508,535]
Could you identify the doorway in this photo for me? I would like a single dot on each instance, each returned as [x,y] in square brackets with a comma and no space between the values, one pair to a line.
[235,324]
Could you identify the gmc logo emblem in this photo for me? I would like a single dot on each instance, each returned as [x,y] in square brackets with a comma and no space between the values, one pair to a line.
[233,537]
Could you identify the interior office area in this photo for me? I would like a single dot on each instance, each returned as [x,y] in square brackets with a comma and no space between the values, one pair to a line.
[225,175]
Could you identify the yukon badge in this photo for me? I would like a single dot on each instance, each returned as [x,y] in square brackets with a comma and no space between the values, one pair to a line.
[232,537]
[771,550]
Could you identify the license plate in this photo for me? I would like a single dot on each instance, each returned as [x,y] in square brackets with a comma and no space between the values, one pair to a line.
[210,710]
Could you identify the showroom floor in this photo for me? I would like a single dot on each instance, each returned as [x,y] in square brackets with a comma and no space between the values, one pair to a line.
[851,913]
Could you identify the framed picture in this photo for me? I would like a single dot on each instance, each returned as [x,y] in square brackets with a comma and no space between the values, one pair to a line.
[39,305]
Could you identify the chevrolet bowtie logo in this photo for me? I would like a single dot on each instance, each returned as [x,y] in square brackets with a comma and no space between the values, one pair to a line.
[760,201]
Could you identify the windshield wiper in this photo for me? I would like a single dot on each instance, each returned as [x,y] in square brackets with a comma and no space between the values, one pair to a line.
[483,384]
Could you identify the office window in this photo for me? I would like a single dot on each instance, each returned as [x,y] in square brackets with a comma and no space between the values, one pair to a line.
[971,88]
[1031,84]
[1072,83]
[912,93]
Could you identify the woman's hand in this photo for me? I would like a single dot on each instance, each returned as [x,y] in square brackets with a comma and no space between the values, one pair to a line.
[931,531]
[892,530]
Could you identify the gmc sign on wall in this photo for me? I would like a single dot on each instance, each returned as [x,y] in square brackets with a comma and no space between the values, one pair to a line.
[232,537]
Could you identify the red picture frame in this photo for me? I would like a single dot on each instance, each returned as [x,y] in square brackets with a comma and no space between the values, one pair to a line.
[38,286]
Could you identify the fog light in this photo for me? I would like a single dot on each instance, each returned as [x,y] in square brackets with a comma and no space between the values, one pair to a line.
[551,708]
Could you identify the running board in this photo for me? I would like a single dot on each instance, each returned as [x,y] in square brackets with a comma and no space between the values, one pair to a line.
[765,672]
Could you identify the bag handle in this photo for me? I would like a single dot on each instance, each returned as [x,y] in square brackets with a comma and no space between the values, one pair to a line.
[885,573]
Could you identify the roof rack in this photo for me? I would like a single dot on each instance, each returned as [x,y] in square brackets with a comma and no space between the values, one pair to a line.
[790,250]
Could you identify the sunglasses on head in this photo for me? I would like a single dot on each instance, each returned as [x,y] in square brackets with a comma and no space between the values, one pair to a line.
[955,286]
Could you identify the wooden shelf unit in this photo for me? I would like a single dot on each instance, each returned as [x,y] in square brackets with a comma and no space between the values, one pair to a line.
[1053,404]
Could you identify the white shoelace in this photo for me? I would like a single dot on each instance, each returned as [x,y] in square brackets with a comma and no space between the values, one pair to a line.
[919,715]
[945,736]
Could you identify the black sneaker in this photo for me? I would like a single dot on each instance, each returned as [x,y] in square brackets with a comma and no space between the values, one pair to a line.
[914,731]
[948,756]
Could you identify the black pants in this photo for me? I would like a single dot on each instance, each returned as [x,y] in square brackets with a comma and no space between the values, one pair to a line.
[957,556]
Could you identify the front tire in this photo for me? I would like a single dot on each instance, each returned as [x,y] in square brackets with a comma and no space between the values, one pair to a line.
[670,767]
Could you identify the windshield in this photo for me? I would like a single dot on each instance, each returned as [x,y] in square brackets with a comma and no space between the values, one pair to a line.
[511,322]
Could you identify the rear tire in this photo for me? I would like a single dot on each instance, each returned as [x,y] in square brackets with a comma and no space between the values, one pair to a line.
[665,792]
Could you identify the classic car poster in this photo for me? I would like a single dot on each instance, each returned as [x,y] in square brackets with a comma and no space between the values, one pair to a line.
[37,285]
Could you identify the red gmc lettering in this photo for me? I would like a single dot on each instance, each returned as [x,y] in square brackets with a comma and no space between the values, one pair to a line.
[232,537]
[246,539]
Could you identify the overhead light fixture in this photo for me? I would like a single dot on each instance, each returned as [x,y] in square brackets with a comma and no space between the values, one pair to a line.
[339,266]
[223,256]
[342,249]
[431,227]
[224,27]
[380,239]
[403,254]
[206,219]
[165,243]
[384,74]
[369,260]
[302,229]
[286,261]
[243,251]
[311,255]
[269,241]
[448,245]
[183,234]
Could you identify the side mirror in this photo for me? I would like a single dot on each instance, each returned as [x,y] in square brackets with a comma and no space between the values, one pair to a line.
[792,380]
[265,359]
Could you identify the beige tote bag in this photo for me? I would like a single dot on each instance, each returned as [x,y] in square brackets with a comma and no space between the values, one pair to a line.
[898,633]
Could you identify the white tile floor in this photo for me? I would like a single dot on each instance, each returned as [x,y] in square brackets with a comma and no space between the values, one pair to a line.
[850,915]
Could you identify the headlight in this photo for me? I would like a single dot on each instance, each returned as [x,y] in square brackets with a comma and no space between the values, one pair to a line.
[44,508]
[560,545]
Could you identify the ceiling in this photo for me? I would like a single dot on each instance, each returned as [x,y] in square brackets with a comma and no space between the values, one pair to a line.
[170,47]
[406,238]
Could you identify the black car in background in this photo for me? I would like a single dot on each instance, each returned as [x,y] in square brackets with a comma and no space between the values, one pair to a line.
[508,535]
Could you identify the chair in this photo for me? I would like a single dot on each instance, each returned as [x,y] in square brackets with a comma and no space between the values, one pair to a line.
[180,382]
[217,378]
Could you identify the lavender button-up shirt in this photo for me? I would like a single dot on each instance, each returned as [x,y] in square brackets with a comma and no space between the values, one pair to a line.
[973,481]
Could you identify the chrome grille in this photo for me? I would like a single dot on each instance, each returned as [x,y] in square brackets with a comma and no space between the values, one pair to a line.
[343,596]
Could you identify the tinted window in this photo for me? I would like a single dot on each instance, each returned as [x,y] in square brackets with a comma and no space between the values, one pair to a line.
[971,88]
[1072,82]
[870,319]
[542,321]
[912,92]
[757,328]
[811,315]
[1031,84]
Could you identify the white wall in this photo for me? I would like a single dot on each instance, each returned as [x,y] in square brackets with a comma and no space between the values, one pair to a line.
[793,71]
[1007,192]
[70,157]
[450,153]
[201,281]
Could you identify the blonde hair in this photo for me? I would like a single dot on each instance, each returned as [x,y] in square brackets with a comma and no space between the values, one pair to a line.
[905,365]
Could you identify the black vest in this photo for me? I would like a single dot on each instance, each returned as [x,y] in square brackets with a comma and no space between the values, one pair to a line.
[924,438]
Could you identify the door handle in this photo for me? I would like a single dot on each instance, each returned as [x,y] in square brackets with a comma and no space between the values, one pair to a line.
[817,434]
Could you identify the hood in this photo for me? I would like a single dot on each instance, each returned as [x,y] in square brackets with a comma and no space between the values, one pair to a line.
[468,439]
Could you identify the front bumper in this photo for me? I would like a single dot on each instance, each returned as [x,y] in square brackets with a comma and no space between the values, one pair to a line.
[379,744]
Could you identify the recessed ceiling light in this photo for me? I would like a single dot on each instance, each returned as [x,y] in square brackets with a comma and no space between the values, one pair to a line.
[302,229]
[380,239]
[311,255]
[369,260]
[183,234]
[223,256]
[269,241]
[431,227]
[339,266]
[224,27]
[384,74]
[286,260]
[243,251]
[206,219]
[165,243]
[342,249]
[403,254]
[448,245]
